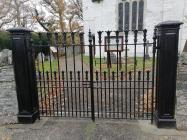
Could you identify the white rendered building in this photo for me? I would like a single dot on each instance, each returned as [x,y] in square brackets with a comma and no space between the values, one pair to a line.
[133,14]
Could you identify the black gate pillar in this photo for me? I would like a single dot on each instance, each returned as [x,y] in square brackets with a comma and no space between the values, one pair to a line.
[168,38]
[24,75]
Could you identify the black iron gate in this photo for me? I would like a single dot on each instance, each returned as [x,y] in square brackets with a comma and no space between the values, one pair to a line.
[111,77]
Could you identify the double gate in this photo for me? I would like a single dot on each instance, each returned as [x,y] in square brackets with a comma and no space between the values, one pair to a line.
[118,75]
[110,75]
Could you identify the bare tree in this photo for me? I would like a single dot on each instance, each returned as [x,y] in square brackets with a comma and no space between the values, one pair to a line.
[76,6]
[60,15]
[16,13]
[22,13]
[74,15]
[57,9]
[5,12]
[43,22]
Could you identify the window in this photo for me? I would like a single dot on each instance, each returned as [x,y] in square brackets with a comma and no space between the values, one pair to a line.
[130,14]
[126,14]
[140,17]
[134,15]
[120,16]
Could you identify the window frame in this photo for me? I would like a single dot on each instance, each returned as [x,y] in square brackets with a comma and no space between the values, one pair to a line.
[130,13]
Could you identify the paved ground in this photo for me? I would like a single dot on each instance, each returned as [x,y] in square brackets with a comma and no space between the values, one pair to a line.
[77,129]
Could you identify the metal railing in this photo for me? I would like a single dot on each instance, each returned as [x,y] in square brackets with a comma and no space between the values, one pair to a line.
[74,87]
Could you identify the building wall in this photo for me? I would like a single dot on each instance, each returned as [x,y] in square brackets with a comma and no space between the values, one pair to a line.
[99,17]
[104,16]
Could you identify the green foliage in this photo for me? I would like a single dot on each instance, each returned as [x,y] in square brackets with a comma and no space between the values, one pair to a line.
[4,40]
[36,39]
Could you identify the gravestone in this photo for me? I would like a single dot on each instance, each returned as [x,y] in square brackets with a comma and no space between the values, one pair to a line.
[113,58]
[50,58]
[147,50]
[5,57]
[41,57]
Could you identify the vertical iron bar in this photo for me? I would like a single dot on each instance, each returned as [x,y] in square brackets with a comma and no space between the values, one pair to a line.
[153,74]
[41,91]
[79,92]
[126,70]
[100,67]
[97,79]
[51,71]
[121,94]
[113,80]
[117,43]
[105,93]
[59,79]
[48,90]
[38,69]
[87,93]
[130,84]
[56,87]
[148,72]
[43,73]
[81,35]
[83,98]
[66,63]
[100,41]
[50,63]
[53,100]
[63,79]
[135,65]
[139,79]
[144,45]
[71,86]
[74,64]
[38,64]
[108,42]
[91,75]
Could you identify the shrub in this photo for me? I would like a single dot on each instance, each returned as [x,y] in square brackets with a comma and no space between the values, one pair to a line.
[4,40]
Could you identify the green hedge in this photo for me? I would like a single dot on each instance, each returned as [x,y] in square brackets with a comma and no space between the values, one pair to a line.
[4,40]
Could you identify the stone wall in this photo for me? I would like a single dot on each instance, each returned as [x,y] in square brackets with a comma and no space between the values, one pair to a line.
[8,98]
[181,108]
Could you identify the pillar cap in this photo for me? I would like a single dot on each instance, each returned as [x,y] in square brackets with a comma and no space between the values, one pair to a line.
[19,30]
[170,23]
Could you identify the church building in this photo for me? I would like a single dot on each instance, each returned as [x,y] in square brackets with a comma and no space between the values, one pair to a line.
[104,15]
